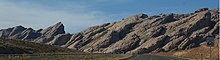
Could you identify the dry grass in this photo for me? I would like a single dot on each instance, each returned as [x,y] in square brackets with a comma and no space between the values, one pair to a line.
[9,46]
[198,53]
[22,50]
[65,57]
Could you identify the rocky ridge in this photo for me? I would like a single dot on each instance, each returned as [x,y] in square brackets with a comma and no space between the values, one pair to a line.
[139,33]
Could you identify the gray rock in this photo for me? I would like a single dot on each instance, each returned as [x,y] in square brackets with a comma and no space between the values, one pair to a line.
[49,33]
[15,33]
[54,30]
[135,34]
[6,32]
[29,34]
[151,45]
[60,39]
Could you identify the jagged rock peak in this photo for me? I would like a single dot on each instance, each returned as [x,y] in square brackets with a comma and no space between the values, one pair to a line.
[59,23]
[17,29]
[54,30]
[19,26]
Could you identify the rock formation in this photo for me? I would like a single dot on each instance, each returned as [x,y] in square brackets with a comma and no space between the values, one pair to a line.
[139,33]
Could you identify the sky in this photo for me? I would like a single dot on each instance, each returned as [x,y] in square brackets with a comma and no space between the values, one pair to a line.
[77,15]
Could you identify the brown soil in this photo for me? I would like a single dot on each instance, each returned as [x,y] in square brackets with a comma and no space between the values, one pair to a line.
[198,53]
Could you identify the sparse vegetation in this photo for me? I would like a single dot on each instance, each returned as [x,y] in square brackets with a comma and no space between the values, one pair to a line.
[198,53]
[86,56]
[23,50]
[9,46]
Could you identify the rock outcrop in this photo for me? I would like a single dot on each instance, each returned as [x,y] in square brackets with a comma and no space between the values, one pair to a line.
[49,33]
[139,33]
[28,34]
[60,39]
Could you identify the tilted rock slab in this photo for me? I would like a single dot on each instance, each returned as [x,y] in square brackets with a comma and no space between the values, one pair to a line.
[136,34]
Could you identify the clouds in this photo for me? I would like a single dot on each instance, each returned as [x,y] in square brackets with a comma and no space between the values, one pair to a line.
[37,16]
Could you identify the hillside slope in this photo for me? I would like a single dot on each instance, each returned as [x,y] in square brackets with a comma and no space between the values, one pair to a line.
[135,34]
[8,46]
[198,53]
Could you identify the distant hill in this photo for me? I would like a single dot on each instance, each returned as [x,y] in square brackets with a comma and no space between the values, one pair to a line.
[139,33]
[9,46]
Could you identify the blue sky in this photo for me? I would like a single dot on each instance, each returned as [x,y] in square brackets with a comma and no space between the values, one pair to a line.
[77,15]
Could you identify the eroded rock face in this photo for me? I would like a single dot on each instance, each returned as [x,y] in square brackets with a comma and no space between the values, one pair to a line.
[60,39]
[28,34]
[151,45]
[54,30]
[6,32]
[49,33]
[136,34]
